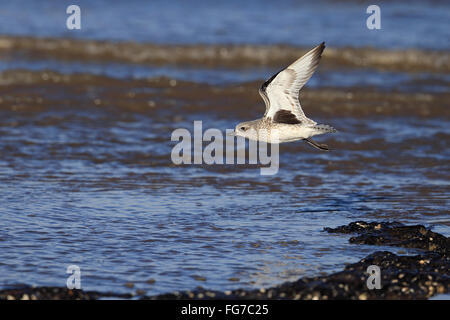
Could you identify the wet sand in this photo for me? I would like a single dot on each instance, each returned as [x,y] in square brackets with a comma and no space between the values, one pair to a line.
[214,56]
[29,91]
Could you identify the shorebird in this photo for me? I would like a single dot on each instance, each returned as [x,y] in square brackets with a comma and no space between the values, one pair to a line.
[284,119]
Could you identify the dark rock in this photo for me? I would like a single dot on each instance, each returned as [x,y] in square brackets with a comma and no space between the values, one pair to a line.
[395,234]
[55,293]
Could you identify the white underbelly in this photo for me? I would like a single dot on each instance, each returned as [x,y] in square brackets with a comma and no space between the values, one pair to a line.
[285,133]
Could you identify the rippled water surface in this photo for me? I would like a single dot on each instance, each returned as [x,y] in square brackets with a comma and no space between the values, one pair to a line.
[404,23]
[97,189]
[86,176]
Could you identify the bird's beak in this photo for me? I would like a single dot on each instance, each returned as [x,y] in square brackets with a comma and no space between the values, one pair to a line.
[231,133]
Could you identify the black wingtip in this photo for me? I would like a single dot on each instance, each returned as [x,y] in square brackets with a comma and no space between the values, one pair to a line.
[319,50]
[322,46]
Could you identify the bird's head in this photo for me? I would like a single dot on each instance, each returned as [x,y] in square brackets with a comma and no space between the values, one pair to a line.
[246,130]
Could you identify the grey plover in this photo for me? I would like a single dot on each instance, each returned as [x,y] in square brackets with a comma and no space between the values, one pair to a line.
[284,119]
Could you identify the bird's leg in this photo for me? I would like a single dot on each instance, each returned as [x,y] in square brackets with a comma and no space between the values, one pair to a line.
[317,145]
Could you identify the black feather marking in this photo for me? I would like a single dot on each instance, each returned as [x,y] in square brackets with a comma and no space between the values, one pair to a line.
[268,81]
[321,48]
[264,86]
[285,116]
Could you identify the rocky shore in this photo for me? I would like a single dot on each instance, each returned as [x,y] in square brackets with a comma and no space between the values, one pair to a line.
[418,276]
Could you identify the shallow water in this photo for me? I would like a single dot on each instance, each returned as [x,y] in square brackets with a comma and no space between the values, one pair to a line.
[343,77]
[404,24]
[95,186]
[86,176]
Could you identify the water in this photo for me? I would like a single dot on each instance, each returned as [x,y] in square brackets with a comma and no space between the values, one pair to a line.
[97,189]
[410,24]
[384,80]
[85,171]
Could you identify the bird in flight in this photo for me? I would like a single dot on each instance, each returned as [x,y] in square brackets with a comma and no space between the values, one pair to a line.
[284,119]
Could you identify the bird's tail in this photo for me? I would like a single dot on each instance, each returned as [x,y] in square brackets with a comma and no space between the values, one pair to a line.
[324,128]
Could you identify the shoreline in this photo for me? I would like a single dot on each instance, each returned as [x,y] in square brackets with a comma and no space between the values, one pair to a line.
[421,276]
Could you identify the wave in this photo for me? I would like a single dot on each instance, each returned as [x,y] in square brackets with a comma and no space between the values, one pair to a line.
[213,56]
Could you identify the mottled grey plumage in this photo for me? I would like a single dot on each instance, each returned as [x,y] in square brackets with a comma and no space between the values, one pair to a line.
[284,119]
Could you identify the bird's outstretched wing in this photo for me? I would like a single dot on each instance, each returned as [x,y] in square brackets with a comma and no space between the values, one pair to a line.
[280,92]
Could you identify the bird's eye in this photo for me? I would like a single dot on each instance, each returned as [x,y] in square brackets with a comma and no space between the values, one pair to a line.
[243,128]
